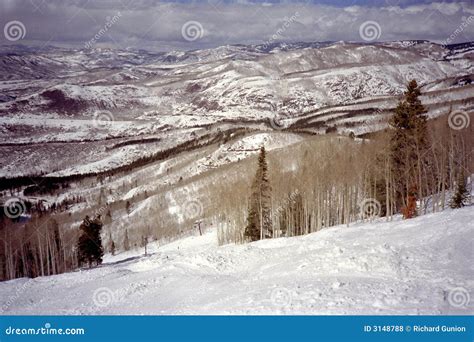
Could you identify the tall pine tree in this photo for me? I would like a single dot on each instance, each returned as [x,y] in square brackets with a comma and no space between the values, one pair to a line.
[126,242]
[259,220]
[408,146]
[461,196]
[89,246]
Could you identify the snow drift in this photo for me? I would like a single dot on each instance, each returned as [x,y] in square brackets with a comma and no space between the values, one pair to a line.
[418,266]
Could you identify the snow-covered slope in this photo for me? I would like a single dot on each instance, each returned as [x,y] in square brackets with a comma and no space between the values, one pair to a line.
[419,266]
[80,97]
[230,82]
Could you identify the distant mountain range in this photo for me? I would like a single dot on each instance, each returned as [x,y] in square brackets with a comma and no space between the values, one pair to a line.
[303,87]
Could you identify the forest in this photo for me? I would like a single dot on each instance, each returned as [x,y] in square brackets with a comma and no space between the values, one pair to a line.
[414,167]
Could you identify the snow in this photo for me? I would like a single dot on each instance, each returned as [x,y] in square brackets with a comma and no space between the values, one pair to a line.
[397,267]
[74,130]
[302,84]
[243,148]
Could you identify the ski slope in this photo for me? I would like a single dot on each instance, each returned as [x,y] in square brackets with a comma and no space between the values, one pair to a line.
[418,266]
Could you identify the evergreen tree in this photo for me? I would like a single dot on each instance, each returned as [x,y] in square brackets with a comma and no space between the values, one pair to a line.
[461,196]
[108,217]
[259,220]
[58,247]
[408,145]
[112,247]
[89,247]
[111,244]
[145,243]
[126,242]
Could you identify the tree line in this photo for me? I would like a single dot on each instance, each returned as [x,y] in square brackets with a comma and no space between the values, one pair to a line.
[414,167]
[410,169]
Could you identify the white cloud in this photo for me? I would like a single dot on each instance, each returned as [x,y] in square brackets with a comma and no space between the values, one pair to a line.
[155,25]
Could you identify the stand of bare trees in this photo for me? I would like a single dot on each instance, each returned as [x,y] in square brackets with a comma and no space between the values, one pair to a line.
[411,168]
[37,248]
[320,182]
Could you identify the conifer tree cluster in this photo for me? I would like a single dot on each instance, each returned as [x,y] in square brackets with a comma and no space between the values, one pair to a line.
[461,195]
[112,247]
[259,220]
[400,171]
[409,143]
[126,241]
[89,246]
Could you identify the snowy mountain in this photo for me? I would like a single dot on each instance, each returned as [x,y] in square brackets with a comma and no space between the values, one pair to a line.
[297,79]
[56,95]
[418,266]
[161,146]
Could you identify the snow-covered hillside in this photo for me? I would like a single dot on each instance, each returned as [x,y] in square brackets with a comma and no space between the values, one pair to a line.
[84,97]
[418,266]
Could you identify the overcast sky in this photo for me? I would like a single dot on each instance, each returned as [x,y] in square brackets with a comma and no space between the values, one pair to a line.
[183,25]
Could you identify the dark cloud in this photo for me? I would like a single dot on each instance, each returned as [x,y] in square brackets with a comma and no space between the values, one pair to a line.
[158,25]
